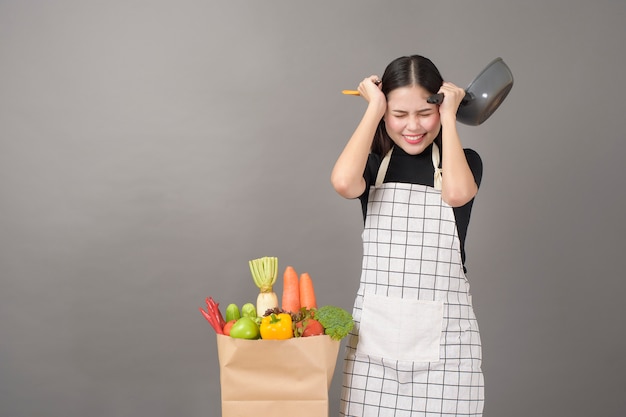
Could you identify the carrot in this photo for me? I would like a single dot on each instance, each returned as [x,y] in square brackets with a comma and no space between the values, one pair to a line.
[307,293]
[291,291]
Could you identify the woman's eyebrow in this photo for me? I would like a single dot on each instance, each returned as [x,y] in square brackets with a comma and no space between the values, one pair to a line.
[424,110]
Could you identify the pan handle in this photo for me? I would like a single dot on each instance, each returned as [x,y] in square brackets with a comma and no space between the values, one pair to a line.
[438,98]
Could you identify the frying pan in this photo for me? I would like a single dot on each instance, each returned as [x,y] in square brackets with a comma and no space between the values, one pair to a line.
[482,96]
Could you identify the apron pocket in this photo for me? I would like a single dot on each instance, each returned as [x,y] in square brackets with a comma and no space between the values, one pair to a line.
[400,329]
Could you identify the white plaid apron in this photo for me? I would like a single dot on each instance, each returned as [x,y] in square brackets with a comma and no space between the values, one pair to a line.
[415,349]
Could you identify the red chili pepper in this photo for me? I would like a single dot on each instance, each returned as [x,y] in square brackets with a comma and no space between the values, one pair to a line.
[213,320]
[214,308]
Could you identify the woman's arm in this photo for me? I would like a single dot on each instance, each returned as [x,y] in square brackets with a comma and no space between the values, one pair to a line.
[458,184]
[347,175]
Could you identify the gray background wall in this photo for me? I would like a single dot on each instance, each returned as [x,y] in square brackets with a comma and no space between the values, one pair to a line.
[150,149]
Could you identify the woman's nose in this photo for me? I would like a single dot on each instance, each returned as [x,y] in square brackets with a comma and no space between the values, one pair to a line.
[413,123]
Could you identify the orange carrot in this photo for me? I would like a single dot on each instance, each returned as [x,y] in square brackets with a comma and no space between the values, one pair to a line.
[291,291]
[307,293]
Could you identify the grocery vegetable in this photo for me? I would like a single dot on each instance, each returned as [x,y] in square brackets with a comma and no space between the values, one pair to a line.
[309,327]
[248,310]
[337,322]
[307,293]
[291,290]
[228,326]
[277,327]
[213,315]
[212,322]
[232,312]
[264,273]
[245,328]
[278,310]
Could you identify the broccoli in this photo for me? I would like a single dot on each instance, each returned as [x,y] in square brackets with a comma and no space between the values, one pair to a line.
[336,321]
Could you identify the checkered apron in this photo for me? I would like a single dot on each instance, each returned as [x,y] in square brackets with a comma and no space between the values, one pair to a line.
[415,349]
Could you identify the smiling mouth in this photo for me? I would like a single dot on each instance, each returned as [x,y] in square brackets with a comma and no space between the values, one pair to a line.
[414,139]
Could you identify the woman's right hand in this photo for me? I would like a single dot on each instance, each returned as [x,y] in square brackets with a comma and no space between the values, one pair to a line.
[370,90]
[347,176]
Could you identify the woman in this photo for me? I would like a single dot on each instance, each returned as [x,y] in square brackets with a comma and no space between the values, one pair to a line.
[416,348]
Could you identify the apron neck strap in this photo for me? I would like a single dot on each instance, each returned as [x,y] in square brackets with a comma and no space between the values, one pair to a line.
[436,159]
[384,164]
[382,170]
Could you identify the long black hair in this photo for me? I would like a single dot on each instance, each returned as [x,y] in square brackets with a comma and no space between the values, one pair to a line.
[405,71]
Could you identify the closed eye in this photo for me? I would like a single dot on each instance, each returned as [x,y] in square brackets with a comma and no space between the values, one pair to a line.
[421,113]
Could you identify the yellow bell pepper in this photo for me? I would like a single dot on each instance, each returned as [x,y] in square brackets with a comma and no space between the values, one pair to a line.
[276,327]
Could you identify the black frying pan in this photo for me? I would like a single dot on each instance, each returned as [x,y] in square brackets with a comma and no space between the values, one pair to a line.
[484,95]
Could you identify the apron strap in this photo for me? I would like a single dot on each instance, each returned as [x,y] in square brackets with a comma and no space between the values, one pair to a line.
[382,170]
[384,164]
[436,158]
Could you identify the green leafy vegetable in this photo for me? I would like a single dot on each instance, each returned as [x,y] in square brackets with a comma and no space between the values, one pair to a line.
[337,322]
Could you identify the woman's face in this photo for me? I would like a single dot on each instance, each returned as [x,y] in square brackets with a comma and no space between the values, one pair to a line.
[411,122]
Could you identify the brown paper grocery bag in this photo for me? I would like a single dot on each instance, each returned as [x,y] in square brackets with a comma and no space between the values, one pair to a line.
[276,378]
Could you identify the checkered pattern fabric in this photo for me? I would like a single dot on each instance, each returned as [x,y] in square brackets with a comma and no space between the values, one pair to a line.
[412,252]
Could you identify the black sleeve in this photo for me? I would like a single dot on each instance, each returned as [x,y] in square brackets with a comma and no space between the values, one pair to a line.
[369,175]
[463,213]
[371,170]
[476,165]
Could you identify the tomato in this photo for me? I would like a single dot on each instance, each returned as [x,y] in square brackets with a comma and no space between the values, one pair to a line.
[228,326]
[312,327]
[245,328]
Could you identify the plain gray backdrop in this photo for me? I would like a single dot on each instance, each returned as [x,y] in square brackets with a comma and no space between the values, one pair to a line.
[149,149]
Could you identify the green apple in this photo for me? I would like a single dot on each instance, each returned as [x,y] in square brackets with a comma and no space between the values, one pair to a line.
[245,328]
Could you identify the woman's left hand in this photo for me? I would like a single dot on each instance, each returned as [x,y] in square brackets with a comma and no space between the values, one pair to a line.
[453,96]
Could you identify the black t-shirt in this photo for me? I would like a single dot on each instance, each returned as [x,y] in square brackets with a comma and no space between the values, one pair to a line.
[418,169]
